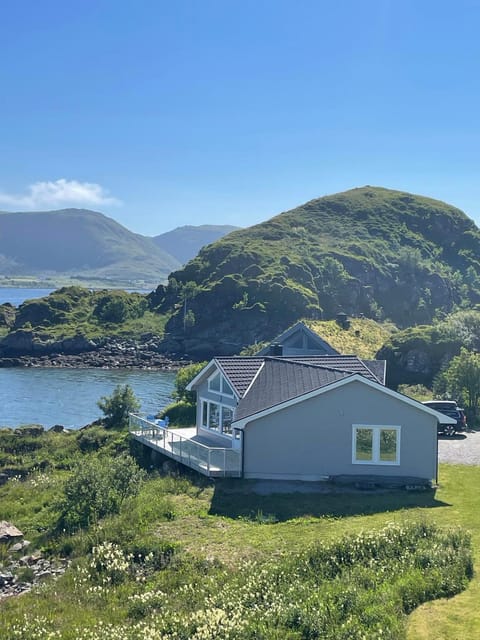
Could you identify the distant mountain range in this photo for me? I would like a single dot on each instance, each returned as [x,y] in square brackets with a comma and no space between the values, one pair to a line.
[87,246]
[185,242]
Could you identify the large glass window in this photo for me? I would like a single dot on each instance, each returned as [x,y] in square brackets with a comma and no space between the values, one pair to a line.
[376,444]
[217,417]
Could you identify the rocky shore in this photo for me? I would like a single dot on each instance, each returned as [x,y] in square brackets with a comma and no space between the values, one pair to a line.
[32,350]
[19,572]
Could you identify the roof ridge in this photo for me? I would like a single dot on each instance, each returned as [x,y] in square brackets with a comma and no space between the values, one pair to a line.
[311,365]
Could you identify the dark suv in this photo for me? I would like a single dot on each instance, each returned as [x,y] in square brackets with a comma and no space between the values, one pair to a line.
[450,409]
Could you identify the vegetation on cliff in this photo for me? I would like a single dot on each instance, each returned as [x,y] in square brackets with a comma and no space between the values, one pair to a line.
[384,254]
[76,311]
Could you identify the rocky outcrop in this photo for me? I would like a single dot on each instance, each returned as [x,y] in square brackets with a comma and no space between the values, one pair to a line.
[20,572]
[7,315]
[25,348]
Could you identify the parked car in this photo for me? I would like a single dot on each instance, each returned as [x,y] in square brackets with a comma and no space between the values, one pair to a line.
[450,409]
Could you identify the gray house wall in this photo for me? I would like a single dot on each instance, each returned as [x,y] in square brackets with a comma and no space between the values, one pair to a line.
[313,439]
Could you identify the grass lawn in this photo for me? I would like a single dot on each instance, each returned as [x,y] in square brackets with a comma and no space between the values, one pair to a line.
[236,526]
[226,522]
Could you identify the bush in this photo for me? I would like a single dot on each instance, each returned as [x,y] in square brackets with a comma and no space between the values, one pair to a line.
[97,488]
[180,414]
[117,407]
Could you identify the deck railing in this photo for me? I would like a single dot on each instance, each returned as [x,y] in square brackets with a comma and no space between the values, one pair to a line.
[211,461]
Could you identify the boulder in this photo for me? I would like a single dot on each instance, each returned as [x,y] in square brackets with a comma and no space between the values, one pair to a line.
[9,532]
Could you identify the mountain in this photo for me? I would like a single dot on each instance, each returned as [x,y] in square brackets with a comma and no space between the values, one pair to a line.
[79,243]
[369,251]
[185,242]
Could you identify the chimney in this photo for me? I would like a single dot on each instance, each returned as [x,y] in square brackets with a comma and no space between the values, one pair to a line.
[276,349]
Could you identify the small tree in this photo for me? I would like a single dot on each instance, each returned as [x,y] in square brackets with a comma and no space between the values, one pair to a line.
[117,407]
[461,381]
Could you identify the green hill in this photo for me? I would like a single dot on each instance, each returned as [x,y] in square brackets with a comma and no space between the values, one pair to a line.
[185,242]
[79,243]
[386,254]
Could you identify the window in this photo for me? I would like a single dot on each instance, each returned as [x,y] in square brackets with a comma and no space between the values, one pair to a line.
[217,417]
[214,383]
[218,384]
[213,416]
[227,416]
[376,444]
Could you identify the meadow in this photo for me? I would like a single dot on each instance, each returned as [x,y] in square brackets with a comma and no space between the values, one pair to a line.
[186,558]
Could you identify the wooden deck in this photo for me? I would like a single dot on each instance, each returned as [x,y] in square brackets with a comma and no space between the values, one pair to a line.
[198,452]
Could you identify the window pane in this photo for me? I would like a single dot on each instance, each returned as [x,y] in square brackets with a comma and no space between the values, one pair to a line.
[364,444]
[388,445]
[227,415]
[226,388]
[204,414]
[214,418]
[215,383]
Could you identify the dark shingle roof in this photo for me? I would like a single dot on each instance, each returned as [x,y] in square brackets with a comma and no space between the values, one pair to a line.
[378,368]
[280,380]
[241,370]
[350,364]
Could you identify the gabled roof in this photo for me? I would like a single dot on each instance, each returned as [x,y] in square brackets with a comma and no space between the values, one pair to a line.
[280,380]
[241,370]
[300,332]
[256,407]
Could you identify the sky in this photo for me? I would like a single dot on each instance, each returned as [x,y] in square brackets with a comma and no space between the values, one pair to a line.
[167,113]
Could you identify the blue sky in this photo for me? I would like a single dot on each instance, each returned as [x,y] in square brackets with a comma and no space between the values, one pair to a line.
[161,114]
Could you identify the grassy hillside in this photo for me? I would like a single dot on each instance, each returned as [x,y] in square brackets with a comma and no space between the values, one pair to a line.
[79,243]
[386,254]
[364,337]
[185,242]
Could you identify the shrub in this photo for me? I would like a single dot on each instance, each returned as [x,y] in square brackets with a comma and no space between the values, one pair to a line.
[117,407]
[181,413]
[97,488]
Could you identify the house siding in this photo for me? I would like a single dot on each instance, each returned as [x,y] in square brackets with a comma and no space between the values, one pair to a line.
[312,440]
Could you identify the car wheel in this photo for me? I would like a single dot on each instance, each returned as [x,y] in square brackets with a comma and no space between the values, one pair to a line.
[449,430]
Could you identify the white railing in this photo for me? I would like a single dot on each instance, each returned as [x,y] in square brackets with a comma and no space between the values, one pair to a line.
[211,461]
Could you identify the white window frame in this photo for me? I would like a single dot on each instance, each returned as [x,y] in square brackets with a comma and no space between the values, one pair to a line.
[221,406]
[376,429]
[223,385]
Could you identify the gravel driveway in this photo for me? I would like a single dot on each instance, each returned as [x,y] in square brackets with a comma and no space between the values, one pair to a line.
[464,448]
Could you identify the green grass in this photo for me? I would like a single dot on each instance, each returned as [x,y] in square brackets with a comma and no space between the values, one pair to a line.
[213,529]
[364,337]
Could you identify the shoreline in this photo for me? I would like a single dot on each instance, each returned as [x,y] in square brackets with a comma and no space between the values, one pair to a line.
[109,353]
[92,360]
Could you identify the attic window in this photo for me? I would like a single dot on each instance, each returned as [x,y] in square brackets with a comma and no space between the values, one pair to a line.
[218,384]
[376,444]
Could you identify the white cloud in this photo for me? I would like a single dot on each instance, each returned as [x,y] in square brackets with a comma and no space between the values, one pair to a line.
[58,193]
